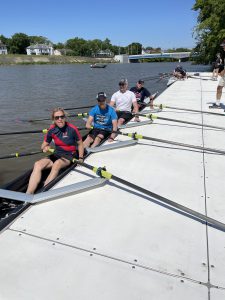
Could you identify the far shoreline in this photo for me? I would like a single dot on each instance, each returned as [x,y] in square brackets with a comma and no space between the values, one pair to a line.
[23,59]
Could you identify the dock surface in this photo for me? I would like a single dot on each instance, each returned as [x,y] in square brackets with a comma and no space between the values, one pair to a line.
[113,242]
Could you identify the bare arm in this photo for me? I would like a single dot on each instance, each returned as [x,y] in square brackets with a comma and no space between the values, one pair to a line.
[45,147]
[113,135]
[135,105]
[89,122]
[80,149]
[112,103]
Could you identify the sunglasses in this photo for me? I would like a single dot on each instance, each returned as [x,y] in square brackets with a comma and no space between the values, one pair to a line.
[59,117]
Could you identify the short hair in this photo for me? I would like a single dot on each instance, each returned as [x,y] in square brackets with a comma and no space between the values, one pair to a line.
[56,110]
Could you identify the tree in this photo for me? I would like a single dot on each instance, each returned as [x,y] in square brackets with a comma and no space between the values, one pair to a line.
[79,46]
[18,43]
[34,39]
[210,29]
[59,46]
[3,39]
[178,50]
[134,48]
[106,44]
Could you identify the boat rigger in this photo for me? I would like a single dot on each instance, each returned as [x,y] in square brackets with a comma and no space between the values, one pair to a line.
[114,242]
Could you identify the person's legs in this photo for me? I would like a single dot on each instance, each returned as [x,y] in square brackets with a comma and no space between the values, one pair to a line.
[35,177]
[88,141]
[220,90]
[56,167]
[121,121]
[216,71]
[97,140]
[219,94]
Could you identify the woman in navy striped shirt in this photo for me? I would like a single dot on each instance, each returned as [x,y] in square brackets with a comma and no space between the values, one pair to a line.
[68,143]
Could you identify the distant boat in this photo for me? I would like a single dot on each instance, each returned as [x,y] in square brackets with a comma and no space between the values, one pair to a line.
[98,66]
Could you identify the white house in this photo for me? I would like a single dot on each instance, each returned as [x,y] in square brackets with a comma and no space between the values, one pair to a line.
[57,52]
[40,49]
[104,53]
[3,48]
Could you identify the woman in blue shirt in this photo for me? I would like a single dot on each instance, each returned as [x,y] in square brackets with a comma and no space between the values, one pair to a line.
[104,118]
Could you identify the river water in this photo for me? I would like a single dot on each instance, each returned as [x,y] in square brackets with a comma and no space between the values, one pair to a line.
[28,92]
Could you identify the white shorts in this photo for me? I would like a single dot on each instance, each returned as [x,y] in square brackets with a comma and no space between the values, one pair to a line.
[222,81]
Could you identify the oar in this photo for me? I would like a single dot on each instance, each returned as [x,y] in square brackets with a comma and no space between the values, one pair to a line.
[25,132]
[80,107]
[150,78]
[137,136]
[190,76]
[33,131]
[190,212]
[80,115]
[161,106]
[152,117]
[17,154]
[166,74]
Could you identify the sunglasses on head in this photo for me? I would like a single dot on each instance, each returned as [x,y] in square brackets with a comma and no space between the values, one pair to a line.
[59,117]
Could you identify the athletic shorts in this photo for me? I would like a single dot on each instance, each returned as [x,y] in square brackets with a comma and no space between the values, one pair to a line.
[222,81]
[55,157]
[216,66]
[96,131]
[141,104]
[126,115]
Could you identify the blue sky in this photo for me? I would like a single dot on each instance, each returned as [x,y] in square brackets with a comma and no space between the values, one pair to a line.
[164,23]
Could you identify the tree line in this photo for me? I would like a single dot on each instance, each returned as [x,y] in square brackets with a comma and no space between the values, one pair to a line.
[76,46]
[210,29]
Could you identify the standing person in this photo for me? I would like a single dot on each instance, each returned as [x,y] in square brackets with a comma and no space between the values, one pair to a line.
[104,118]
[123,101]
[67,140]
[141,94]
[217,65]
[221,83]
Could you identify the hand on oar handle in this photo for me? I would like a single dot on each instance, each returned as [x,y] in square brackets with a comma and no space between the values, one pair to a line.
[45,149]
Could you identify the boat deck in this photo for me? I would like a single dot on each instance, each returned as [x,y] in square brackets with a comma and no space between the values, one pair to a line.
[112,242]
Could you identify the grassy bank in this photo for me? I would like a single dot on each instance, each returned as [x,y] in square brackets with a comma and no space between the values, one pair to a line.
[16,59]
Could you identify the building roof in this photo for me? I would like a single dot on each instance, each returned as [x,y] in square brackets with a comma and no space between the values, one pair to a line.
[39,46]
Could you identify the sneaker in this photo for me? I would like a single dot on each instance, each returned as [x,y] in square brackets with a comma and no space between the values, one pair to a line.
[214,105]
[136,119]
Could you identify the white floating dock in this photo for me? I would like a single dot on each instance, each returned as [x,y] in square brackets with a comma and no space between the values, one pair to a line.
[113,242]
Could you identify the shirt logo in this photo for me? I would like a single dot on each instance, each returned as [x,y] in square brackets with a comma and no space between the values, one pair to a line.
[65,135]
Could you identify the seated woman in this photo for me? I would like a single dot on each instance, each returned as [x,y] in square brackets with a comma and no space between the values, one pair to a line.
[105,120]
[67,140]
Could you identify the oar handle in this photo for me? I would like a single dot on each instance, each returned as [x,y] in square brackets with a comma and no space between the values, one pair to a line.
[18,154]
[24,132]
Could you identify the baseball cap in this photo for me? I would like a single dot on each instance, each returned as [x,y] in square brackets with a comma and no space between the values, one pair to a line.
[123,81]
[140,81]
[223,43]
[101,96]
